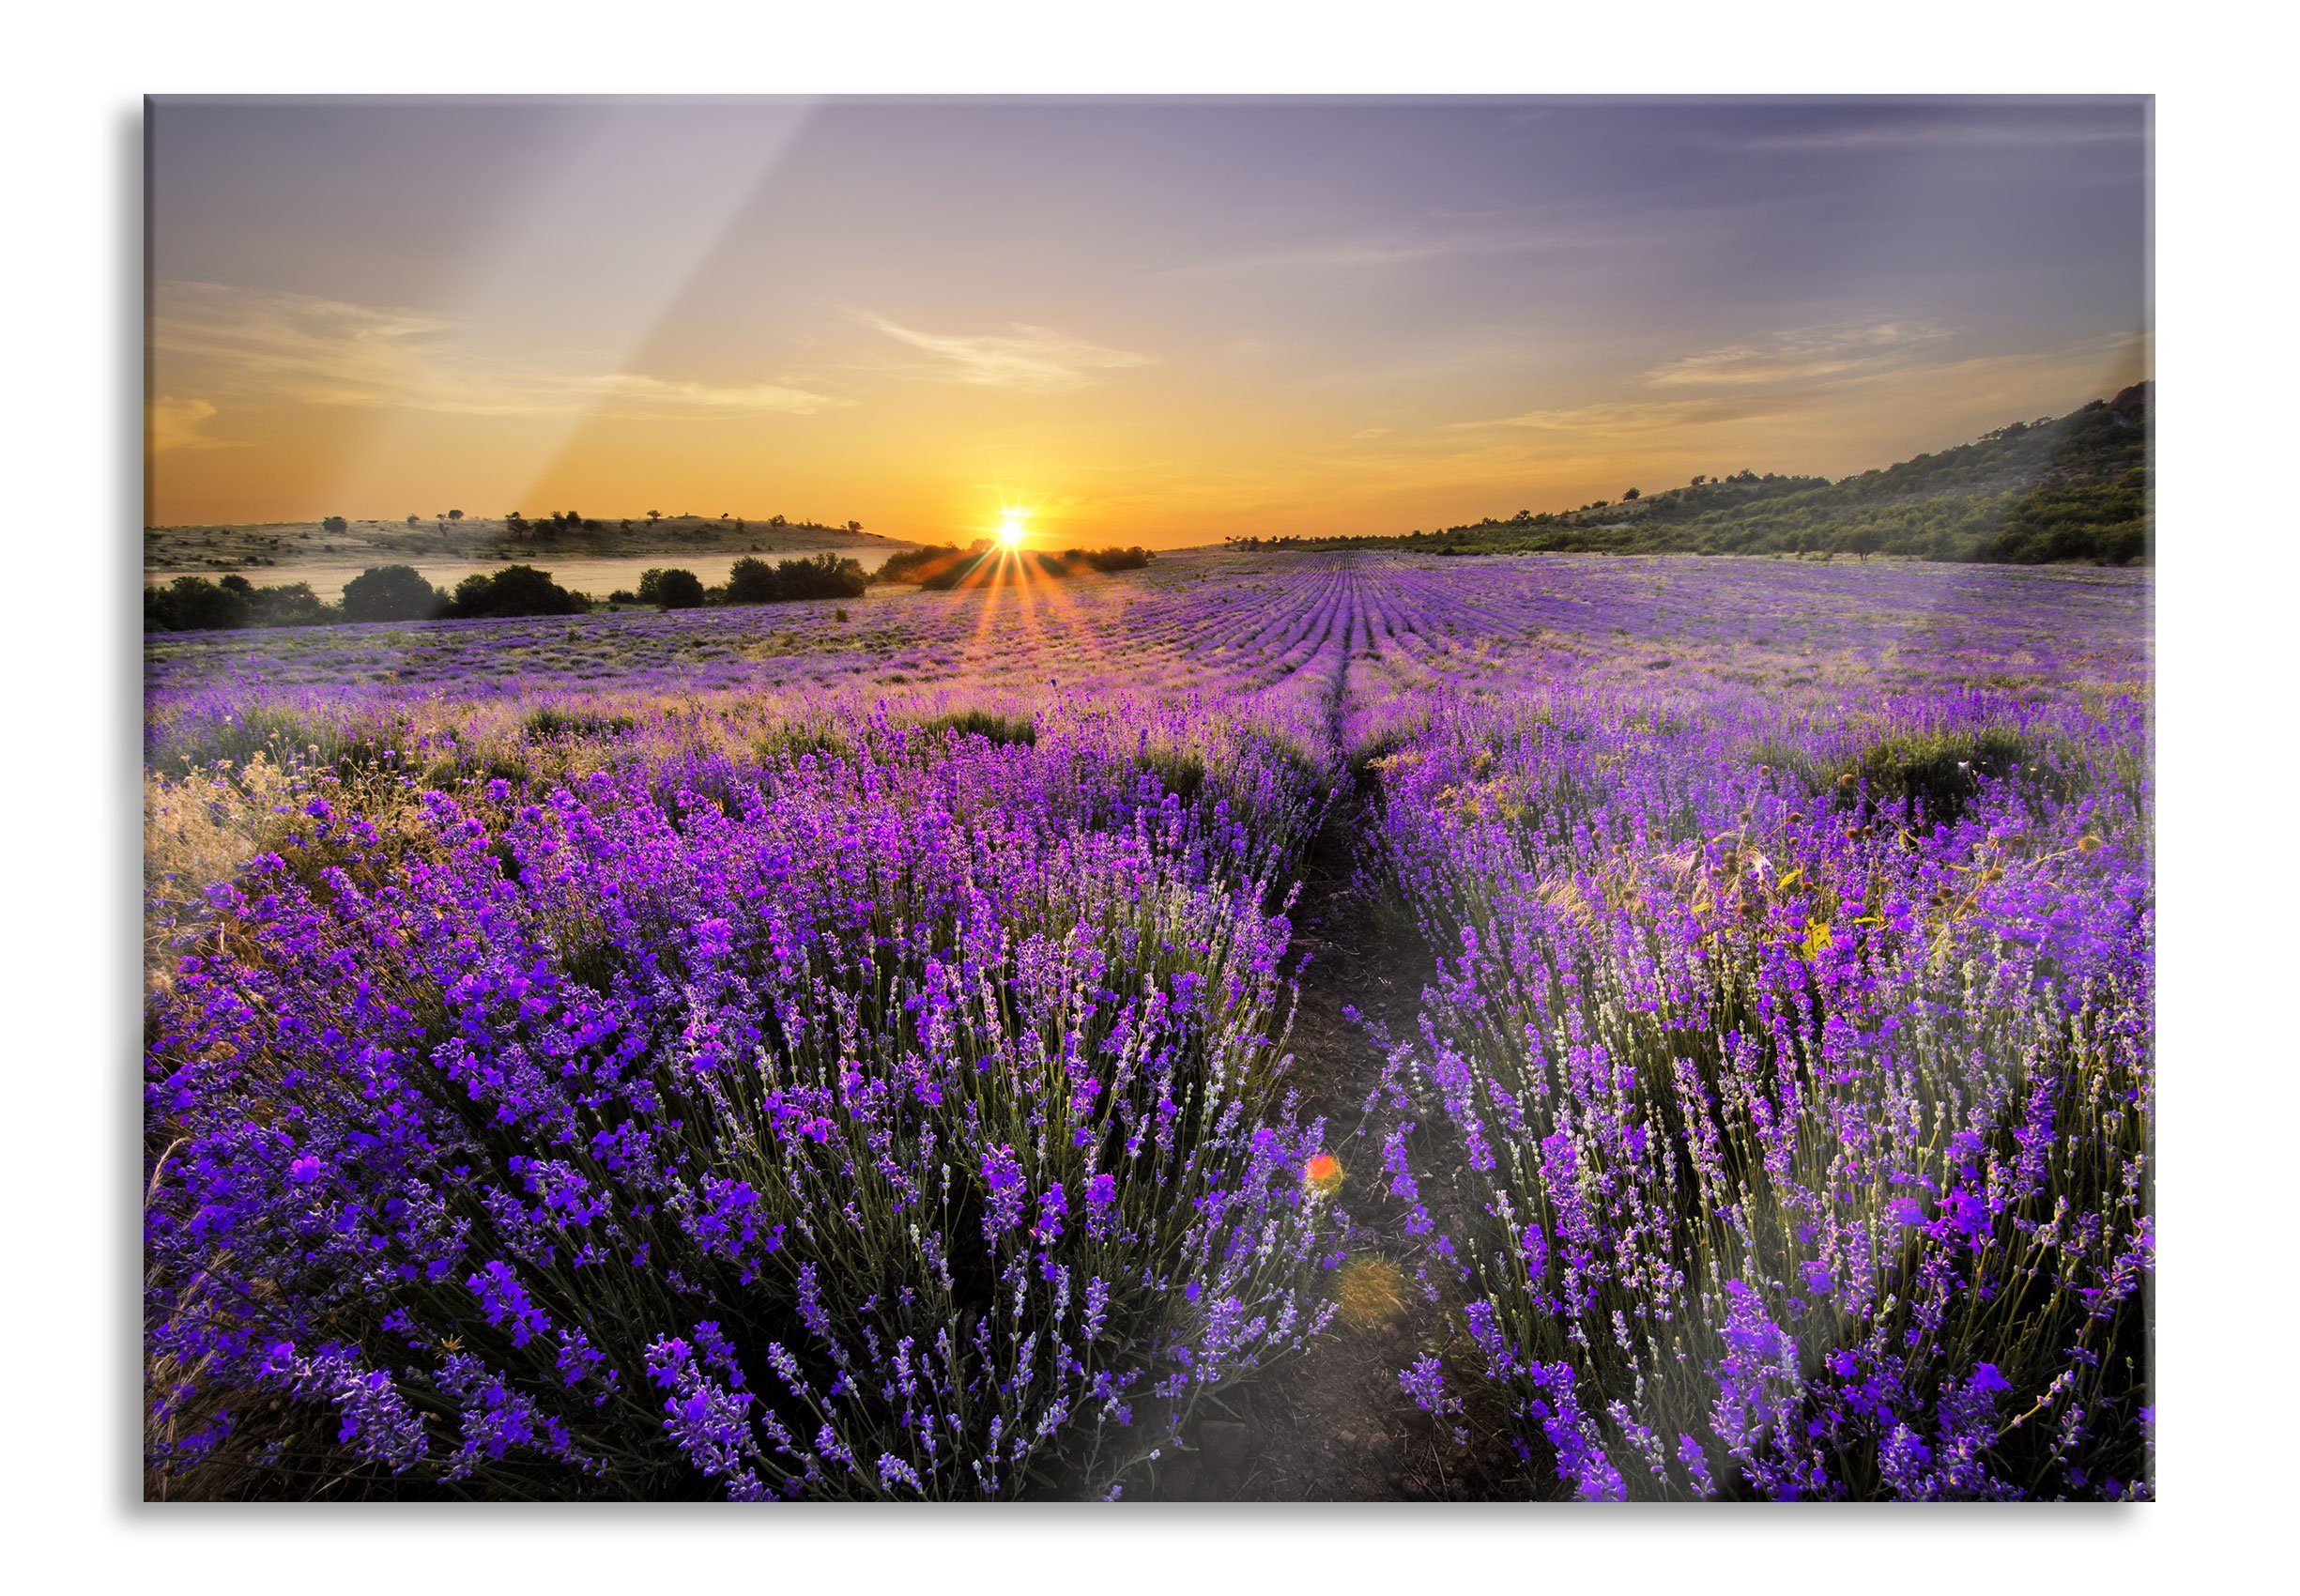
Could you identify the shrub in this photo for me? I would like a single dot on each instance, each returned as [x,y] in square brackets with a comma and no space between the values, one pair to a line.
[824,576]
[553,723]
[915,565]
[752,581]
[292,605]
[391,592]
[516,590]
[1005,731]
[671,588]
[1934,775]
[194,604]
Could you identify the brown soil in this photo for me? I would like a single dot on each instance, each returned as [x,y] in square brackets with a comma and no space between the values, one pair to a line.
[1334,1424]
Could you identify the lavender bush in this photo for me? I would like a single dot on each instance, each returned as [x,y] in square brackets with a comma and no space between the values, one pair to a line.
[863,1125]
[1808,1116]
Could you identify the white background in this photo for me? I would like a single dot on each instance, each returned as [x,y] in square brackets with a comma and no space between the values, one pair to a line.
[2229,622]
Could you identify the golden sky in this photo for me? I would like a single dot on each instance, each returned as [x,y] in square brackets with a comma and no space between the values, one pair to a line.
[1146,321]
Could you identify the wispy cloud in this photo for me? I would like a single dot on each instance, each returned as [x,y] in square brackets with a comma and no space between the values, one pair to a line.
[175,423]
[1869,137]
[1415,247]
[301,349]
[1616,417]
[1807,382]
[1029,360]
[1798,355]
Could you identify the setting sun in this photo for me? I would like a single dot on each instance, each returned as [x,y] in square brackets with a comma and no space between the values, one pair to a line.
[1011,527]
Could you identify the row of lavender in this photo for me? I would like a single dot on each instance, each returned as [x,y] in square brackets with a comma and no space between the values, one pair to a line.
[898,1115]
[1754,986]
[1799,1073]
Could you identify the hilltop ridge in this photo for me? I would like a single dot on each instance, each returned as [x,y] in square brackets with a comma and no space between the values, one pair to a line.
[2075,487]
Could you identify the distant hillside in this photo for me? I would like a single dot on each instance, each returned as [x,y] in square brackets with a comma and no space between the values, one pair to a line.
[2076,489]
[564,534]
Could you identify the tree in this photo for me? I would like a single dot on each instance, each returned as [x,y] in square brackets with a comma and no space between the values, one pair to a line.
[294,605]
[201,607]
[193,604]
[654,515]
[414,520]
[455,514]
[335,524]
[672,589]
[390,592]
[855,526]
[752,581]
[1628,494]
[516,590]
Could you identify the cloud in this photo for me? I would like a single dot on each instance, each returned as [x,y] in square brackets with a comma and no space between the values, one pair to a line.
[301,349]
[1847,421]
[1029,360]
[1798,355]
[174,423]
[1415,248]
[1860,138]
[1619,416]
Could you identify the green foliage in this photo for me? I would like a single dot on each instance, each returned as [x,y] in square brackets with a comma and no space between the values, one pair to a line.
[293,603]
[797,740]
[917,564]
[516,590]
[194,604]
[823,576]
[949,566]
[553,724]
[1070,561]
[1934,775]
[2077,488]
[752,581]
[671,589]
[391,592]
[1006,730]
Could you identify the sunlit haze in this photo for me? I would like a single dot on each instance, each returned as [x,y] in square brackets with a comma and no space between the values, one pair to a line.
[1156,322]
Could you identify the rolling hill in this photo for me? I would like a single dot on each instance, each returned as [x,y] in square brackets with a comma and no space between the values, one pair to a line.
[2074,488]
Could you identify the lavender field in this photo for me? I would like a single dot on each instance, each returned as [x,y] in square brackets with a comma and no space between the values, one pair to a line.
[1267,1025]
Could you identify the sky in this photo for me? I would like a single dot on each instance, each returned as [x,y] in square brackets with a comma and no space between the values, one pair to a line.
[1139,321]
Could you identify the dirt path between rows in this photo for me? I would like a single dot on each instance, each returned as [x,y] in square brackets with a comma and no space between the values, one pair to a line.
[1334,1424]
